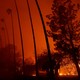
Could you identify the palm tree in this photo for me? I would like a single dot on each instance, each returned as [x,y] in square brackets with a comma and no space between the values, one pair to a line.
[20,35]
[9,11]
[6,31]
[46,38]
[35,52]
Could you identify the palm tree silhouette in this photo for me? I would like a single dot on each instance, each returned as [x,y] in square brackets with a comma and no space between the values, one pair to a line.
[9,11]
[35,51]
[20,35]
[46,38]
[6,31]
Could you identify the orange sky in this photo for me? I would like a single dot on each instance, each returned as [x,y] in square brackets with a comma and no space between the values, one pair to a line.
[45,6]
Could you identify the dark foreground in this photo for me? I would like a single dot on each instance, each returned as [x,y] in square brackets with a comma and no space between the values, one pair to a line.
[43,78]
[59,78]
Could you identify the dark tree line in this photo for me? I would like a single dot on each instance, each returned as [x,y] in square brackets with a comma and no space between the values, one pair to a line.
[14,70]
[43,62]
[7,66]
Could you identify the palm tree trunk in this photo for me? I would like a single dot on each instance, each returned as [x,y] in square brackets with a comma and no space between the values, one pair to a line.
[4,37]
[13,46]
[47,42]
[3,31]
[0,42]
[5,27]
[20,35]
[35,51]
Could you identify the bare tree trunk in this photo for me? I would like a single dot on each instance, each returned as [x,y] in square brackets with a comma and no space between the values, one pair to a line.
[35,51]
[20,36]
[77,66]
[75,60]
[56,71]
[47,42]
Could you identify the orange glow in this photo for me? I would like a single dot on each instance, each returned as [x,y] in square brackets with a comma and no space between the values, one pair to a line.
[69,69]
[61,74]
[33,74]
[45,6]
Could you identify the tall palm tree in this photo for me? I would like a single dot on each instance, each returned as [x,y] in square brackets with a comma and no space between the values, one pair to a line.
[46,38]
[20,35]
[6,31]
[35,51]
[9,11]
[7,35]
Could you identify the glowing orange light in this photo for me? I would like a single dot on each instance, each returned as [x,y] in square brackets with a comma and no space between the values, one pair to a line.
[60,74]
[33,74]
[79,65]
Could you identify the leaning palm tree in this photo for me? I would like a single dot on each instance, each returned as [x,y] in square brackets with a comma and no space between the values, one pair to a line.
[46,38]
[9,11]
[35,51]
[20,35]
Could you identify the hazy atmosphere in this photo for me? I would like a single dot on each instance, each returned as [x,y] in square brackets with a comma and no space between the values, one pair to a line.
[40,39]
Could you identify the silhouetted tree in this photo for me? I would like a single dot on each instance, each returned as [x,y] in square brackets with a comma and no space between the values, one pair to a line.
[47,42]
[65,29]
[58,59]
[44,64]
[29,68]
[35,51]
[20,34]
[9,11]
